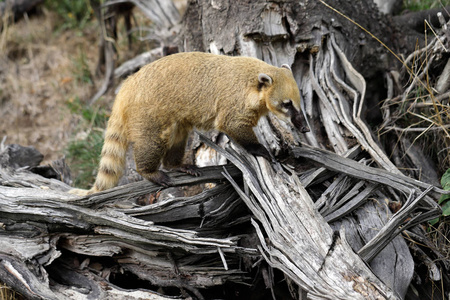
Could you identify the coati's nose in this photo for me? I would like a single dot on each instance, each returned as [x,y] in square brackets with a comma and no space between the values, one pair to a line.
[305,129]
[299,121]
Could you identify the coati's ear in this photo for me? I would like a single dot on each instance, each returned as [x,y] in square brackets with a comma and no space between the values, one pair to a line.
[264,79]
[286,67]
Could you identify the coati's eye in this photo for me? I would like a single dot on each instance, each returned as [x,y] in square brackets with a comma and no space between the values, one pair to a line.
[286,103]
[286,106]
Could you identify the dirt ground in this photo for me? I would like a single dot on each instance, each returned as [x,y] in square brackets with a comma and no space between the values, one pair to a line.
[42,68]
[39,73]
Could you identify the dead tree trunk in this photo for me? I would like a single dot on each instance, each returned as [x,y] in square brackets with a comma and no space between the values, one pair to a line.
[338,67]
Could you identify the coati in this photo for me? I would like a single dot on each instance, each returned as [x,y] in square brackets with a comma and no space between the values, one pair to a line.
[158,106]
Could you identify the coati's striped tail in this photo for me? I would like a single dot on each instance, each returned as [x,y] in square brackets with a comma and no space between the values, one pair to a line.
[112,162]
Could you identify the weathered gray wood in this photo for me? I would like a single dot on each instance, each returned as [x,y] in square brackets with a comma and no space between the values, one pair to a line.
[17,7]
[16,274]
[376,241]
[135,189]
[347,112]
[397,224]
[24,178]
[394,264]
[335,162]
[19,200]
[130,66]
[163,13]
[40,221]
[135,243]
[16,156]
[302,245]
[251,28]
[207,207]
[115,231]
[349,205]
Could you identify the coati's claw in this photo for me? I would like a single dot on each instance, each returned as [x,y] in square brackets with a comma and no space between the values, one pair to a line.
[161,178]
[191,170]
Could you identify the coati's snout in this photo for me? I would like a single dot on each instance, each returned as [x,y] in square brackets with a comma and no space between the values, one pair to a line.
[297,118]
[299,121]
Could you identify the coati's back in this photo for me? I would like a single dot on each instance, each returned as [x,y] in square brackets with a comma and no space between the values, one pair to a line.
[192,87]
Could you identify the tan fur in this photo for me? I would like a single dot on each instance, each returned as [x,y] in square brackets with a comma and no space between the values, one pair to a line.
[157,107]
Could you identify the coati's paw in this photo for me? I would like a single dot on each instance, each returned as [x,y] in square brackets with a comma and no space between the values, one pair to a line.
[259,150]
[160,178]
[79,192]
[191,170]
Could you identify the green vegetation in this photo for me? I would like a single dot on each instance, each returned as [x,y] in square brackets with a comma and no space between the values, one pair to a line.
[445,199]
[75,14]
[417,5]
[83,153]
[81,70]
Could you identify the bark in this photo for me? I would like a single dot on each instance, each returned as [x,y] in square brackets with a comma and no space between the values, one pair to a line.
[18,7]
[417,20]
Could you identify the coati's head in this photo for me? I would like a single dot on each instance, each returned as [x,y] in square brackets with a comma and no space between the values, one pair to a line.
[283,97]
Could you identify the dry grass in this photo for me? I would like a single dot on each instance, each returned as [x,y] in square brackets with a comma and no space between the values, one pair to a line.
[7,293]
[38,75]
[420,112]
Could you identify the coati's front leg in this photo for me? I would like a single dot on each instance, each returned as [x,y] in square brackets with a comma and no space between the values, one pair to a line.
[245,136]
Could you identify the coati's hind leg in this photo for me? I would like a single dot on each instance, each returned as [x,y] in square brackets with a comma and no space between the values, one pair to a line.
[148,154]
[175,155]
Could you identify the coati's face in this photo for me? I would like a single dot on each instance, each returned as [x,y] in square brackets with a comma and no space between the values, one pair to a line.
[283,97]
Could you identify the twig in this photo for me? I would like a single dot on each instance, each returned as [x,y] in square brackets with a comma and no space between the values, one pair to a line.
[390,229]
[432,127]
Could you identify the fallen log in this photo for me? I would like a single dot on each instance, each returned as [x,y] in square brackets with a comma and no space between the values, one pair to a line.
[190,243]
[46,229]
